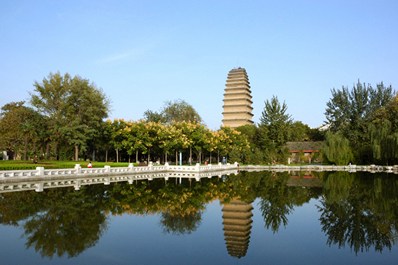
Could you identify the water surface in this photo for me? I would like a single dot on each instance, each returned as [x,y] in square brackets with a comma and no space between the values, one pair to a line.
[249,218]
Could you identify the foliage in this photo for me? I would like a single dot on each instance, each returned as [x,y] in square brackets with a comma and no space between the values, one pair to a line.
[278,122]
[359,211]
[66,122]
[73,107]
[351,111]
[52,164]
[336,149]
[177,111]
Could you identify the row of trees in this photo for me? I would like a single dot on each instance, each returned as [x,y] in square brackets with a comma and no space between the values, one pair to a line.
[65,120]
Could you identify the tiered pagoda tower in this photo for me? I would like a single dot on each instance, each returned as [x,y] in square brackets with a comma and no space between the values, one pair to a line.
[237,221]
[237,99]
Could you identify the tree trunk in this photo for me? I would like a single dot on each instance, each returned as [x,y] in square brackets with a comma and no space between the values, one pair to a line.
[136,156]
[190,156]
[76,152]
[117,155]
[106,155]
[47,150]
[56,151]
[25,153]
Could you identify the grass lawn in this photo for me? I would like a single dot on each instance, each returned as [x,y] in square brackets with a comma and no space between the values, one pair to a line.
[19,164]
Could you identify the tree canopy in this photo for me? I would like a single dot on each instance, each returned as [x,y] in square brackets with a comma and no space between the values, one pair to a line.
[174,111]
[73,108]
[352,112]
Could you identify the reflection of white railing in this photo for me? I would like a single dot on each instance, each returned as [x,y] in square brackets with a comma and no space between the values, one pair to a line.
[40,179]
[349,168]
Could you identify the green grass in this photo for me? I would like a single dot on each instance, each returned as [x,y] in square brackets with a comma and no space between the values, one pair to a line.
[21,165]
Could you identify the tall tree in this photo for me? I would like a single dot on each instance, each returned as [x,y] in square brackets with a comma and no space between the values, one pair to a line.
[278,122]
[350,112]
[21,129]
[74,107]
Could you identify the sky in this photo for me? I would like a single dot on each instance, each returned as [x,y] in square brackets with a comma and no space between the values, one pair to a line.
[142,54]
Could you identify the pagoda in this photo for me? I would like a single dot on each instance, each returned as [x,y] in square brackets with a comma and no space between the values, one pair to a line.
[237,99]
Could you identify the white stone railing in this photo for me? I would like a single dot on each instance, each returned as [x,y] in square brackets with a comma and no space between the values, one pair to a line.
[107,170]
[77,181]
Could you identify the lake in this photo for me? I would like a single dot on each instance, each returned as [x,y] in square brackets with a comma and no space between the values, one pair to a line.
[249,218]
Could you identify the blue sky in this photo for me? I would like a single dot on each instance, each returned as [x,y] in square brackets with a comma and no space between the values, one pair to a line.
[144,53]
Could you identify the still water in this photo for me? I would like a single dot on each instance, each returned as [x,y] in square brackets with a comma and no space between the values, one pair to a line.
[249,218]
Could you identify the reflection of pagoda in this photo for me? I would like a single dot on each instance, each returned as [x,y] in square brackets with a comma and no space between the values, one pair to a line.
[237,221]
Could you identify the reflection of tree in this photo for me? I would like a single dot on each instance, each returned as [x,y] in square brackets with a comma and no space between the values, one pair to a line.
[71,223]
[353,212]
[181,205]
[58,221]
[278,199]
[275,213]
[18,206]
[180,224]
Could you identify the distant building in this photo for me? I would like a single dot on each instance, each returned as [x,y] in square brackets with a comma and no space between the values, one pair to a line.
[237,108]
[304,152]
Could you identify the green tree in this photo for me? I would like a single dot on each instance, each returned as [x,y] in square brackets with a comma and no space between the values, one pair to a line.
[299,132]
[74,108]
[336,149]
[278,122]
[153,116]
[351,111]
[180,110]
[119,133]
[21,129]
[173,111]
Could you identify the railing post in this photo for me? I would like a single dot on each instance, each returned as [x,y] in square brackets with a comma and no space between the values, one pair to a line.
[131,165]
[107,169]
[197,167]
[78,168]
[40,171]
[39,186]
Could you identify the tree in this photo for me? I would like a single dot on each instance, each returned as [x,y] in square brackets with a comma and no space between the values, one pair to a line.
[74,108]
[118,135]
[299,132]
[275,125]
[337,149]
[153,116]
[350,112]
[21,129]
[177,111]
[278,122]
